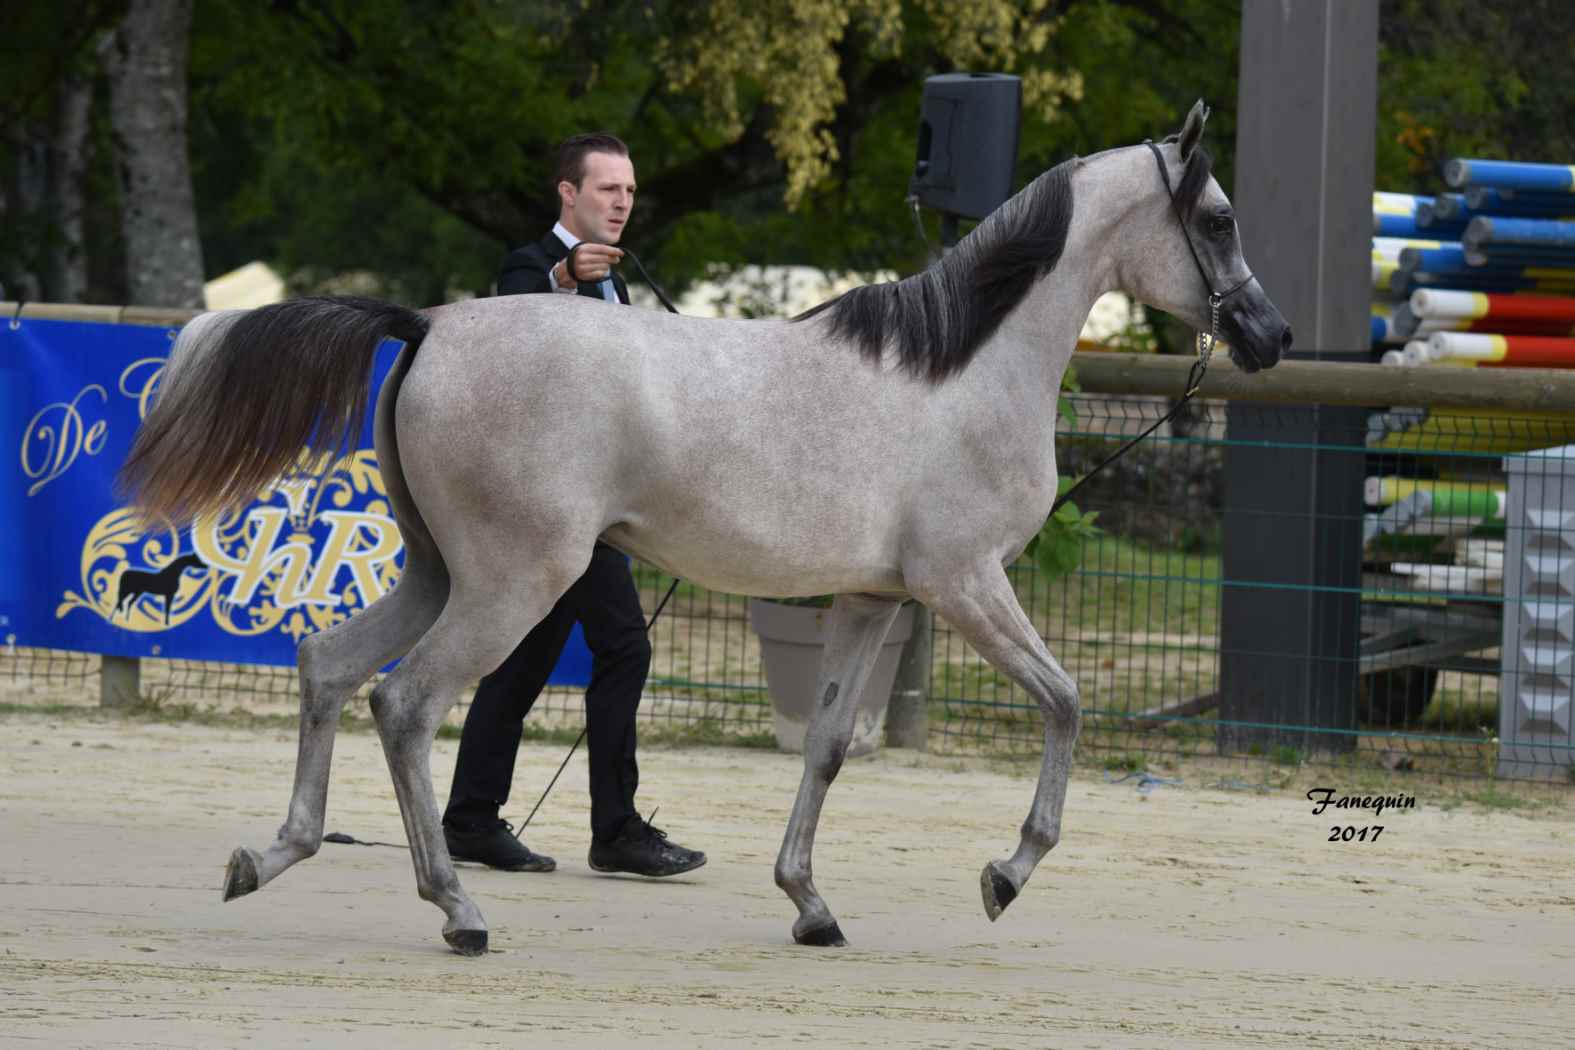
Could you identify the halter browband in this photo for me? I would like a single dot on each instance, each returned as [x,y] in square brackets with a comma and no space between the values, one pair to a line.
[1215,298]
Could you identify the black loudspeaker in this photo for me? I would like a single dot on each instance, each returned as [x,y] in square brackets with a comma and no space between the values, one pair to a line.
[968,126]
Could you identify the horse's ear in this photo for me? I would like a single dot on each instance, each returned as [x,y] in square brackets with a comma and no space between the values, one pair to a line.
[1192,130]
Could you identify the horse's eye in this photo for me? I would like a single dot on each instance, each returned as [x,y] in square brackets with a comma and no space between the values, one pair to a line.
[1222,222]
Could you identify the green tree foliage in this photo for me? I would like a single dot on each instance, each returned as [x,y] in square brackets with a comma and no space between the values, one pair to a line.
[1458,78]
[42,45]
[414,140]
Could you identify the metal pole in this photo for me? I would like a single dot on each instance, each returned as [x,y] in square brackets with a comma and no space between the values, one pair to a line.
[1290,623]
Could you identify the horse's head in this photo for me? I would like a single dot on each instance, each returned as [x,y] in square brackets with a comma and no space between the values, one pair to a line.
[189,561]
[1188,259]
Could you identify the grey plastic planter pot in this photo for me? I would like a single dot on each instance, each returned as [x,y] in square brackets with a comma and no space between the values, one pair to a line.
[792,638]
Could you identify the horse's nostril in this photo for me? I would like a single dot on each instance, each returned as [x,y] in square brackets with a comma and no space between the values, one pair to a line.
[1285,339]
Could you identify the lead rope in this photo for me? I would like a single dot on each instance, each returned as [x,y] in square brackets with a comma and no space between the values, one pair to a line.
[564,764]
[638,265]
[1194,382]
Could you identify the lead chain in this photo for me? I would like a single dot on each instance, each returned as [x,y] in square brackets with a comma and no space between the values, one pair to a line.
[1206,342]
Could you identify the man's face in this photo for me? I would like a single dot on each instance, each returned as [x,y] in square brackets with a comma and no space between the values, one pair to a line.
[599,207]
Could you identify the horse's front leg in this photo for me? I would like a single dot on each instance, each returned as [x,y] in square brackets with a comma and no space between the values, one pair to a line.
[858,627]
[983,607]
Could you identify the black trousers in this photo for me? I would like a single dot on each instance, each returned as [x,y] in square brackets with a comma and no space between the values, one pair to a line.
[607,606]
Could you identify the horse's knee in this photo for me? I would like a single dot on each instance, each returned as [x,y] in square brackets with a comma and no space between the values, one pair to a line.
[1061,705]
[1066,715]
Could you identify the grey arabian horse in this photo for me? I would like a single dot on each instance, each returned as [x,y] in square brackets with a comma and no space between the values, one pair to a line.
[897,442]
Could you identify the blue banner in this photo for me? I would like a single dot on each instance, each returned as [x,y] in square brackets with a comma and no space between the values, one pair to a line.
[78,571]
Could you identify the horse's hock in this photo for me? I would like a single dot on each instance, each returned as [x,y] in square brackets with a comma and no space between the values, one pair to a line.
[792,639]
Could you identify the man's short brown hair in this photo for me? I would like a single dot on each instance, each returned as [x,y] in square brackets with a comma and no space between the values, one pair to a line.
[571,156]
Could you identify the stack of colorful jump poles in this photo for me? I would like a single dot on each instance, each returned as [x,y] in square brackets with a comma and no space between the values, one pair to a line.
[1472,501]
[1481,276]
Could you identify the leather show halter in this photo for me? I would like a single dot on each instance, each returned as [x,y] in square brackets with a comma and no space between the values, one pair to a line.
[1206,341]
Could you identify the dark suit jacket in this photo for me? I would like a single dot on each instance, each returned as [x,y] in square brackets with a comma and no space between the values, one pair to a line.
[525,271]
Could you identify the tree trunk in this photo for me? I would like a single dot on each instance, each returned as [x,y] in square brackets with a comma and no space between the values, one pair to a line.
[68,156]
[31,148]
[147,75]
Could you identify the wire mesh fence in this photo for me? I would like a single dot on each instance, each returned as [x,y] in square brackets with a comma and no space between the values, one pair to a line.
[1422,554]
[705,674]
[1449,535]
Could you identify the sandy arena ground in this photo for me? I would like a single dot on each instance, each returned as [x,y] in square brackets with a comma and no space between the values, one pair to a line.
[1192,917]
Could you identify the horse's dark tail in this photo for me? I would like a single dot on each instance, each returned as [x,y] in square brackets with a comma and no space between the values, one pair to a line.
[246,391]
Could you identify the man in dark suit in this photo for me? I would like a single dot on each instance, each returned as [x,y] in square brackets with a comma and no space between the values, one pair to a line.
[595,183]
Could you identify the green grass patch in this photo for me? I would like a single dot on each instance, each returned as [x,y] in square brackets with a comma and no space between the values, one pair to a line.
[1285,755]
[1125,764]
[1493,798]
[1127,587]
[705,732]
[1457,711]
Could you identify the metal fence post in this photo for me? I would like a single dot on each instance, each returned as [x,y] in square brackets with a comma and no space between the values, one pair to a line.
[908,716]
[119,681]
[1305,140]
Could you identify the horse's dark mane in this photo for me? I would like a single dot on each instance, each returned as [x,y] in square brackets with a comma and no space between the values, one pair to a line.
[937,320]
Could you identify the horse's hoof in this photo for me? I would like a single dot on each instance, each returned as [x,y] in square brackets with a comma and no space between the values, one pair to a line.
[996,889]
[240,874]
[827,936]
[467,942]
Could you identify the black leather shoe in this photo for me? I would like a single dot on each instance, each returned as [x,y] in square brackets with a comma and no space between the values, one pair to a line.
[494,846]
[641,849]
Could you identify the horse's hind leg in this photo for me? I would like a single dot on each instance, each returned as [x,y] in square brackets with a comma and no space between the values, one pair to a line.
[479,626]
[986,612]
[333,664]
[858,627]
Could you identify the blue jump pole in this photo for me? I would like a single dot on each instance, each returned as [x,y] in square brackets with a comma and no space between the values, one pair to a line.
[1510,175]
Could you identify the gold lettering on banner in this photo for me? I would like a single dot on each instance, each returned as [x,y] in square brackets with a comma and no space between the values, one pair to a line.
[139,380]
[258,559]
[276,565]
[57,436]
[343,548]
